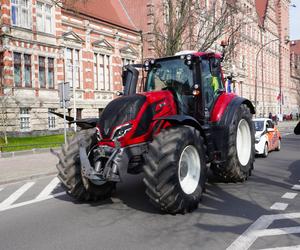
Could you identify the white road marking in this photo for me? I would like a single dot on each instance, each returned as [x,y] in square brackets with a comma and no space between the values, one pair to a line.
[278,231]
[31,201]
[1,189]
[296,187]
[49,188]
[16,195]
[283,248]
[289,195]
[259,229]
[279,206]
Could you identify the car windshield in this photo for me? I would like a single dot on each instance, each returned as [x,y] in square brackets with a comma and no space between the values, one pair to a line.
[170,74]
[259,125]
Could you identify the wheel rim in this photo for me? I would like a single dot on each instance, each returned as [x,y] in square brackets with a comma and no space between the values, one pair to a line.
[279,144]
[243,142]
[189,168]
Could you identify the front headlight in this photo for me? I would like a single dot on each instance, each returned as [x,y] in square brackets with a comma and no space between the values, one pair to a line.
[121,131]
[98,134]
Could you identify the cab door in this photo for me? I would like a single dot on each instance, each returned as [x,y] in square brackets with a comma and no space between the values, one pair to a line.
[211,82]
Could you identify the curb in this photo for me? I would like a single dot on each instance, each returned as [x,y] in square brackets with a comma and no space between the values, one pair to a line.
[24,178]
[26,152]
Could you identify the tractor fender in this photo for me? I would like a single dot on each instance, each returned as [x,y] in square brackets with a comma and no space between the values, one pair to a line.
[231,109]
[182,120]
[220,128]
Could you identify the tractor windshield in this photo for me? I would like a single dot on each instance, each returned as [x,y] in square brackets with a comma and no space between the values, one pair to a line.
[172,74]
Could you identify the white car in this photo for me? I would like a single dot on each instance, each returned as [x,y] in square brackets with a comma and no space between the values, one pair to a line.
[267,136]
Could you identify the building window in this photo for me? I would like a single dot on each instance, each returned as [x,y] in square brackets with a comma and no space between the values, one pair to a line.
[17,70]
[27,70]
[44,17]
[102,72]
[72,67]
[21,13]
[50,73]
[51,118]
[24,119]
[42,72]
[22,70]
[95,72]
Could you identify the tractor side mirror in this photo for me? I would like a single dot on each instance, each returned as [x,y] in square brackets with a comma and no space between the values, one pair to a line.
[215,67]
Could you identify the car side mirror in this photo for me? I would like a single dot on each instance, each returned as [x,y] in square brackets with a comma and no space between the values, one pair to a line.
[270,129]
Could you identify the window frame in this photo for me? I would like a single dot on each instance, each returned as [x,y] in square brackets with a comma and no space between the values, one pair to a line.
[24,117]
[51,119]
[44,73]
[42,24]
[19,63]
[18,19]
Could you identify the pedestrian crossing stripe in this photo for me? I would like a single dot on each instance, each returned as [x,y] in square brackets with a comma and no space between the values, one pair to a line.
[260,229]
[45,194]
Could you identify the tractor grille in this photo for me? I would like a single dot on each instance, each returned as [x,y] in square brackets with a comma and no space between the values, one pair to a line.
[118,112]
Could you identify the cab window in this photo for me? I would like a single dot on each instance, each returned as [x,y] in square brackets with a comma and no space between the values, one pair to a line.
[211,79]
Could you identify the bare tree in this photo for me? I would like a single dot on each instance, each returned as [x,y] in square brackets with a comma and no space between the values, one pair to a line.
[5,98]
[190,24]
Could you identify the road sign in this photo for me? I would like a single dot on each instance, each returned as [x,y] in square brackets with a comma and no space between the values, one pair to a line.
[64,94]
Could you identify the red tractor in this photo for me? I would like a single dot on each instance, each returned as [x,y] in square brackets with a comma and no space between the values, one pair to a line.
[183,122]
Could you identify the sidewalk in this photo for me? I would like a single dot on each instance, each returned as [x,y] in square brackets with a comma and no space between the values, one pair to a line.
[29,166]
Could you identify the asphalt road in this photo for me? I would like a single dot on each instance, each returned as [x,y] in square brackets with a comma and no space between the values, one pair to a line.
[230,216]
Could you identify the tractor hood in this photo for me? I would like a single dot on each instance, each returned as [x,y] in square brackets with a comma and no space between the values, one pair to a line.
[134,119]
[118,112]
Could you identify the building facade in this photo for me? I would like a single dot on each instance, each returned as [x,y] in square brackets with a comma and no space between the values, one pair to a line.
[43,45]
[295,71]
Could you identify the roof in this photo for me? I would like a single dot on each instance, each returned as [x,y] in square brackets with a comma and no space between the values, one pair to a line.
[261,9]
[295,46]
[111,11]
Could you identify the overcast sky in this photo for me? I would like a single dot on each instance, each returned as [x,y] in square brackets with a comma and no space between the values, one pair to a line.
[295,20]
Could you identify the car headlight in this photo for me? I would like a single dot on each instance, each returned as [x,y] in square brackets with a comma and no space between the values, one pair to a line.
[122,130]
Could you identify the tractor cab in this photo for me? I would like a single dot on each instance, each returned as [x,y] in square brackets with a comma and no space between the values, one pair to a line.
[195,79]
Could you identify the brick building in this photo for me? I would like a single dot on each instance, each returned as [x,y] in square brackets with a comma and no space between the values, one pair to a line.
[295,70]
[42,45]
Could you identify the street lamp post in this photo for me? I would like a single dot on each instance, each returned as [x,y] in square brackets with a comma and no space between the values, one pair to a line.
[256,67]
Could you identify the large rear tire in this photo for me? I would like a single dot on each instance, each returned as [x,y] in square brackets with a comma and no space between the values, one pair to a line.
[175,170]
[241,153]
[69,170]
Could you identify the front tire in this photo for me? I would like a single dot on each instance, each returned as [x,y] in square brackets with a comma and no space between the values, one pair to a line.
[241,153]
[175,170]
[69,170]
